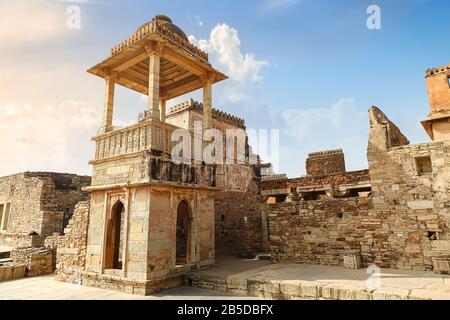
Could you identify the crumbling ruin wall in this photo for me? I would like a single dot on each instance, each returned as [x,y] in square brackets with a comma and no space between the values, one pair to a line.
[405,224]
[348,178]
[23,192]
[37,261]
[71,248]
[40,203]
[411,185]
[320,232]
[325,163]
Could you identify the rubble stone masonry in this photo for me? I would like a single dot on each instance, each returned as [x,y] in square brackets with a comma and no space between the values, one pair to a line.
[325,163]
[41,203]
[239,221]
[411,187]
[70,249]
[404,224]
[320,232]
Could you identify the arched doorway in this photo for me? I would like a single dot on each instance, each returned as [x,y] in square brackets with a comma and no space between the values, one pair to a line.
[183,233]
[113,256]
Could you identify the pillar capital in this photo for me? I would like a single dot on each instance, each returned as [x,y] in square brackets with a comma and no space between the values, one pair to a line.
[154,48]
[208,78]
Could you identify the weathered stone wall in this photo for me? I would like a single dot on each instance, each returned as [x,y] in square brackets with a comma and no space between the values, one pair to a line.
[70,249]
[37,261]
[411,201]
[239,221]
[41,202]
[325,163]
[15,239]
[353,177]
[24,194]
[404,225]
[320,232]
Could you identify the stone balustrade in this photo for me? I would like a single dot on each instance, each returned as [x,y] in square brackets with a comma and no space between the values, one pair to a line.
[145,135]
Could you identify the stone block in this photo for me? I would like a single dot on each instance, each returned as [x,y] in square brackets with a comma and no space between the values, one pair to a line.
[300,289]
[441,264]
[387,293]
[421,204]
[352,260]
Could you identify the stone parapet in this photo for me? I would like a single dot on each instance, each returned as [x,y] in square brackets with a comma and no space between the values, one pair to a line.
[198,107]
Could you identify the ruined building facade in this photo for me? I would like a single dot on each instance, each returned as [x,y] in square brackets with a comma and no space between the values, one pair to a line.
[403,222]
[34,205]
[144,220]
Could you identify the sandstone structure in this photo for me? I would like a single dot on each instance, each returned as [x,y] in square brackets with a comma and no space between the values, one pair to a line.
[151,219]
[145,219]
[34,205]
[394,215]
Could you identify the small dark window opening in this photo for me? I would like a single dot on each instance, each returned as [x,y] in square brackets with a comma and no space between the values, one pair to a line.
[281,198]
[222,217]
[432,235]
[340,215]
[359,192]
[424,165]
[312,196]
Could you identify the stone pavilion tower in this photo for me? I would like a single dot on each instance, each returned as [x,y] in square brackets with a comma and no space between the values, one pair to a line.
[150,220]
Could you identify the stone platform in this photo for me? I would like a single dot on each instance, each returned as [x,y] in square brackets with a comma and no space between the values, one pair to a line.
[311,282]
[47,288]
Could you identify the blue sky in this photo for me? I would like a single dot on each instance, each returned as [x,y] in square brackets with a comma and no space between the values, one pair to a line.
[308,68]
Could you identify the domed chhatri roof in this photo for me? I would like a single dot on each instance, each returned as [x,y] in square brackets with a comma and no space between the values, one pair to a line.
[162,26]
[166,22]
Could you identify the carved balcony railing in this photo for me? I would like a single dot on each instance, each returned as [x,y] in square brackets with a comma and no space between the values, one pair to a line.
[145,135]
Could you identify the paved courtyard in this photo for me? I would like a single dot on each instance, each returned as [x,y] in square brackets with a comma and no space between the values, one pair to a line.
[256,278]
[46,288]
[263,279]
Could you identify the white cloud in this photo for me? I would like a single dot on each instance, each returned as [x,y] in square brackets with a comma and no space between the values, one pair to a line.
[277,4]
[342,125]
[54,138]
[199,21]
[25,22]
[225,47]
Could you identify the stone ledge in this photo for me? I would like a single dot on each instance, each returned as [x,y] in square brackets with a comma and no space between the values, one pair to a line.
[267,288]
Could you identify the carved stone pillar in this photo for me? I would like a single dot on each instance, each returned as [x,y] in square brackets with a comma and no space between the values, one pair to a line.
[109,105]
[154,51]
[162,109]
[207,102]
